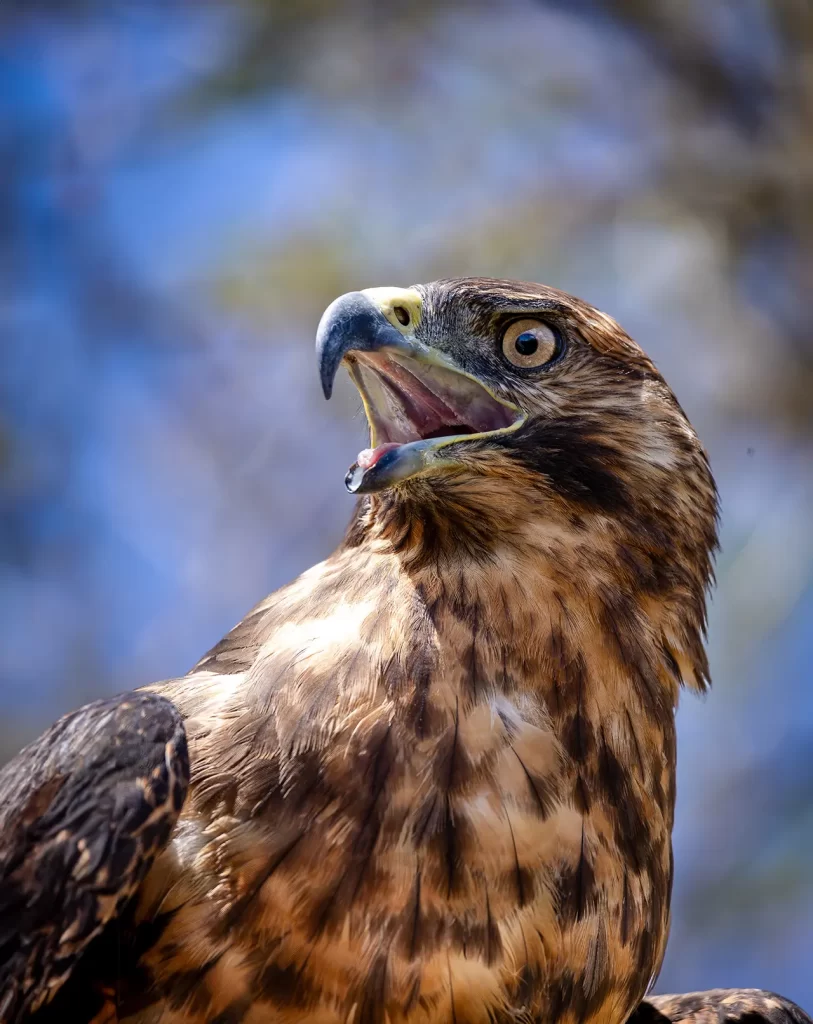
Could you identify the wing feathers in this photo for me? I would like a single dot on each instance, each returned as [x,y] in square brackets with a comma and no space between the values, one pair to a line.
[720,1006]
[83,812]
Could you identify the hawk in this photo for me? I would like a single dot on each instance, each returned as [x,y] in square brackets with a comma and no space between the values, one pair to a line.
[432,779]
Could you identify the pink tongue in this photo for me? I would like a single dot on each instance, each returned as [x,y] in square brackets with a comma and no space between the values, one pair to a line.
[370,456]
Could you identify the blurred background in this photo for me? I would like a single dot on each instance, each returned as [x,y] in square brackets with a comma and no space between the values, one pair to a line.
[184,186]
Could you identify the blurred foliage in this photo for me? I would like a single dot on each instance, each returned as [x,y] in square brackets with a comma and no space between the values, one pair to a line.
[735,152]
[185,186]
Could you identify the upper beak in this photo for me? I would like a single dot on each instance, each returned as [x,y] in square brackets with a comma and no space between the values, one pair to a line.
[352,322]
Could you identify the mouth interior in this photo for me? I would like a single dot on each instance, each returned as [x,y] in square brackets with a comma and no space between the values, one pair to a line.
[410,400]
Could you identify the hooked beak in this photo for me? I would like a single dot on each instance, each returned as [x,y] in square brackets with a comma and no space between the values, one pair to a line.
[418,402]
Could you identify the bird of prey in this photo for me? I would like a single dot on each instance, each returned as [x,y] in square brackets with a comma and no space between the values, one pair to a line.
[432,779]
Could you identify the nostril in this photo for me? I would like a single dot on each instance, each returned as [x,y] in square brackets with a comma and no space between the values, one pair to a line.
[402,315]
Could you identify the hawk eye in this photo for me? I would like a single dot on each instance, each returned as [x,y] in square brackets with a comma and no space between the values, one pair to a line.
[530,343]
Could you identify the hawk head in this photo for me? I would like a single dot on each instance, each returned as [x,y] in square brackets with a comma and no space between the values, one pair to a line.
[483,377]
[509,408]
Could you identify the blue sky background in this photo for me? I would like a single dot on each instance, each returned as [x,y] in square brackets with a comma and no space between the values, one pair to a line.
[183,189]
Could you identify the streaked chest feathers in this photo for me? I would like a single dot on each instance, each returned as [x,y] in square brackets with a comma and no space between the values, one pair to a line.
[443,797]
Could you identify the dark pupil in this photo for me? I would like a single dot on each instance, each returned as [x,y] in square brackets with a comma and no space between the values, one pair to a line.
[527,343]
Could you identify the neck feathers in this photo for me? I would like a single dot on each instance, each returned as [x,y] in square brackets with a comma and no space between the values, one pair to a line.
[547,584]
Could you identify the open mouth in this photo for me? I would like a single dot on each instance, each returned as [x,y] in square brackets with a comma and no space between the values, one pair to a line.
[409,400]
[418,402]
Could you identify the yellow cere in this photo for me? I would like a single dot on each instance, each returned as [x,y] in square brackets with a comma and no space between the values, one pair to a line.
[394,302]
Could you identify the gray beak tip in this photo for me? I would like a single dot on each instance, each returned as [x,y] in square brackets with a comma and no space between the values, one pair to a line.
[350,322]
[333,336]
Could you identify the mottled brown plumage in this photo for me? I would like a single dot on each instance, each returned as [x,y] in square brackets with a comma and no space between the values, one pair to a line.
[83,811]
[720,1006]
[433,779]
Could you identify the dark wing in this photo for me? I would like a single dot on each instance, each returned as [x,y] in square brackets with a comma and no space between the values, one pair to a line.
[83,812]
[720,1006]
